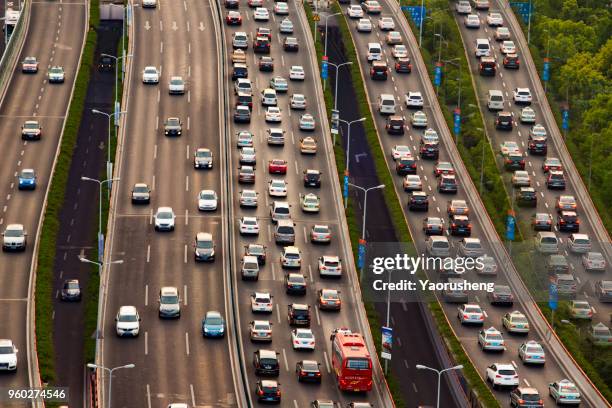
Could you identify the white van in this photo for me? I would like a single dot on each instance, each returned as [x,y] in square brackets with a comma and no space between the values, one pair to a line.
[374,52]
[547,242]
[437,245]
[386,104]
[280,211]
[482,48]
[495,100]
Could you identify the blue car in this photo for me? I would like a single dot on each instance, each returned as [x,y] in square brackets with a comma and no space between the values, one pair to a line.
[27,179]
[213,325]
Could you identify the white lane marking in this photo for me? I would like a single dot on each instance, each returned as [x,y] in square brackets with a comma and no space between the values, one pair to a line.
[187,343]
[185,254]
[514,364]
[148,253]
[146,295]
[278,316]
[186,217]
[187,151]
[310,274]
[285,359]
[185,292]
[147,349]
[148,396]
[326,359]
[317,315]
[297,171]
[186,183]
[153,183]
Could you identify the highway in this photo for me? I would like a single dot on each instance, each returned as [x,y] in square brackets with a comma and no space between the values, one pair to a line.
[558,363]
[506,80]
[174,363]
[31,97]
[331,214]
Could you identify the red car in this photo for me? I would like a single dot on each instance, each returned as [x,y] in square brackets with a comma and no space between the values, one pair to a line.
[233,18]
[264,32]
[443,167]
[277,166]
[552,163]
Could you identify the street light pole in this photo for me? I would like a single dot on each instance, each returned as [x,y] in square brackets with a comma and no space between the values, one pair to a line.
[337,67]
[482,159]
[100,183]
[439,372]
[422,21]
[109,116]
[110,376]
[116,68]
[348,148]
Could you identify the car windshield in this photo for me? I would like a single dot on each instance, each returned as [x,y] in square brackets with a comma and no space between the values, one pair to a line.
[502,290]
[569,388]
[141,189]
[332,264]
[176,82]
[281,210]
[262,326]
[169,299]
[262,300]
[128,318]
[208,196]
[357,364]
[151,70]
[534,350]
[164,215]
[6,350]
[250,265]
[13,233]
[506,372]
[310,366]
[30,125]
[203,153]
[249,222]
[204,244]
[71,285]
[329,295]
[494,336]
[216,321]
[303,335]
[472,310]
[278,184]
[27,175]
[173,122]
[321,230]
[55,70]
[296,279]
[518,319]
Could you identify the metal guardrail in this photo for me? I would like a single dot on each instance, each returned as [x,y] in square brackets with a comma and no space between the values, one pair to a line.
[13,48]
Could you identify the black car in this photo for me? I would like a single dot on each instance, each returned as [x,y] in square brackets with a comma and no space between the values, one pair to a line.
[298,314]
[71,290]
[514,161]
[403,66]
[106,63]
[266,64]
[261,45]
[501,295]
[447,184]
[244,99]
[231,4]
[266,362]
[267,391]
[290,44]
[308,370]
[568,221]
[555,180]
[433,226]
[312,178]
[537,145]
[511,61]
[405,165]
[488,66]
[542,222]
[418,201]
[527,197]
[379,70]
[257,250]
[429,150]
[242,114]
[395,125]
[173,127]
[240,71]
[460,225]
[503,121]
[295,284]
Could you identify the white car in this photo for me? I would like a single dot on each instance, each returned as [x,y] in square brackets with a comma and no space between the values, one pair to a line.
[14,238]
[515,322]
[240,39]
[594,261]
[149,3]
[399,51]
[260,330]
[248,226]
[472,21]
[463,7]
[398,151]
[386,24]
[244,138]
[207,200]
[261,14]
[302,339]
[8,355]
[330,266]
[521,95]
[491,339]
[127,321]
[418,119]
[538,131]
[243,86]
[430,136]
[248,155]
[296,73]
[495,20]
[298,102]
[248,198]
[261,302]
[286,26]
[273,114]
[579,243]
[508,47]
[502,375]
[307,122]
[371,7]
[176,86]
[364,25]
[489,266]
[502,33]
[291,257]
[521,178]
[414,100]
[528,115]
[268,97]
[164,219]
[532,352]
[564,392]
[56,74]
[281,8]
[354,11]
[470,248]
[470,313]
[150,75]
[277,188]
[412,182]
[310,203]
[255,3]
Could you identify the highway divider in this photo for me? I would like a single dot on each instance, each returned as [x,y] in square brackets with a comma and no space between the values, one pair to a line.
[477,385]
[13,48]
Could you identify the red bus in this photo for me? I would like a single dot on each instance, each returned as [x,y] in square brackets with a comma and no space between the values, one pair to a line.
[351,362]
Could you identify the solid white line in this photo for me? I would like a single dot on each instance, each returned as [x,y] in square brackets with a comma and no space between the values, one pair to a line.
[148,253]
[326,359]
[187,345]
[147,350]
[193,403]
[148,396]
[185,291]
[146,295]
[285,359]
[185,254]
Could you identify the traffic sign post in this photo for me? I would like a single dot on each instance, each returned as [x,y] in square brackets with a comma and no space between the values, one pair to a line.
[510,226]
[553,301]
[345,189]
[324,68]
[565,117]
[546,70]
[417,14]
[457,121]
[361,254]
[438,74]
[524,9]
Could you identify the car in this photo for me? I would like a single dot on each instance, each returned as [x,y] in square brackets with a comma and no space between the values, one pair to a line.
[277,188]
[279,84]
[443,168]
[488,266]
[213,324]
[272,115]
[552,164]
[555,180]
[593,262]
[141,194]
[429,150]
[302,339]
[281,8]
[418,201]
[298,314]
[567,221]
[176,85]
[266,64]
[501,295]
[261,45]
[504,121]
[463,7]
[418,119]
[447,183]
[242,114]
[310,203]
[508,147]
[164,219]
[403,65]
[564,392]
[511,61]
[150,75]
[268,97]
[277,166]
[127,322]
[471,21]
[264,32]
[386,24]
[56,75]
[105,63]
[291,44]
[261,302]
[260,330]
[169,302]
[527,115]
[255,3]
[243,85]
[470,313]
[521,178]
[204,247]
[514,161]
[495,19]
[515,322]
[581,309]
[14,238]
[413,100]
[203,158]
[354,11]
[268,391]
[231,4]
[26,180]
[412,182]
[296,73]
[459,225]
[207,200]
[405,165]
[430,136]
[481,4]
[537,130]
[248,226]
[393,38]
[603,290]
[285,26]
[508,47]
[291,257]
[249,267]
[238,55]
[398,151]
[240,39]
[261,14]
[532,352]
[364,25]
[308,370]
[233,18]
[173,126]
[433,226]
[307,122]
[31,130]
[329,265]
[502,375]
[395,125]
[329,299]
[308,145]
[246,100]
[399,51]
[71,290]
[501,34]
[320,234]
[579,243]
[276,136]
[371,7]
[537,145]
[256,250]
[525,397]
[470,247]
[379,70]
[312,178]
[297,101]
[521,96]
[295,284]
[491,340]
[29,65]
[542,222]
[266,362]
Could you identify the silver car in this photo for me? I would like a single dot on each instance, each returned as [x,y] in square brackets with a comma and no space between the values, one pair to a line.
[248,198]
[532,352]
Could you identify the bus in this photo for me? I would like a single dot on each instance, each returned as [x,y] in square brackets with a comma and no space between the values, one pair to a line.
[351,362]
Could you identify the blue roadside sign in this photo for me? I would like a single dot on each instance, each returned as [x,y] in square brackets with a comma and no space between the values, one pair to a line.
[387,342]
[100,246]
[417,13]
[324,72]
[553,296]
[457,121]
[546,70]
[361,254]
[565,116]
[346,186]
[510,227]
[438,75]
[524,9]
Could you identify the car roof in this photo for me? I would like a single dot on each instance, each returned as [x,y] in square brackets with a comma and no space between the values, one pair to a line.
[204,236]
[127,310]
[249,258]
[6,343]
[267,353]
[164,209]
[168,290]
[213,313]
[14,227]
